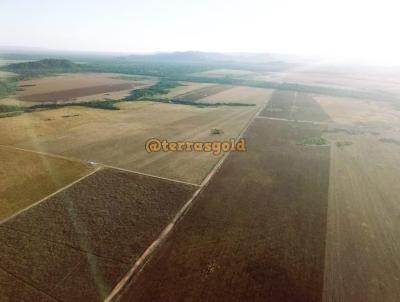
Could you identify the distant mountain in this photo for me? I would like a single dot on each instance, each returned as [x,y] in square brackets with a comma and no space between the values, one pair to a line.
[184,56]
[21,49]
[36,53]
[201,57]
[42,67]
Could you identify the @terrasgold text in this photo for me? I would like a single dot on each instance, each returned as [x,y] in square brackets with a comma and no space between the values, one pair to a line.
[215,147]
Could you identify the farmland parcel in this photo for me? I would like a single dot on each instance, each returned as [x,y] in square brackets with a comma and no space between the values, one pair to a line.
[256,233]
[76,245]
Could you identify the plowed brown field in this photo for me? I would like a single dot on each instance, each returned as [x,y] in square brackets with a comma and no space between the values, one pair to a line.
[67,95]
[256,233]
[73,87]
[294,106]
[76,245]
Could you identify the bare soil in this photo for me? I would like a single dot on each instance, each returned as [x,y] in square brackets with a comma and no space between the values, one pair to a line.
[76,245]
[256,233]
[307,108]
[76,87]
[69,94]
[280,105]
[294,106]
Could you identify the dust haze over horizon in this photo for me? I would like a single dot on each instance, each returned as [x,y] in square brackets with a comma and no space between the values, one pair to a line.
[356,30]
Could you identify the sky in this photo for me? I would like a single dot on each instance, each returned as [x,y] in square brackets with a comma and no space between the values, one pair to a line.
[352,29]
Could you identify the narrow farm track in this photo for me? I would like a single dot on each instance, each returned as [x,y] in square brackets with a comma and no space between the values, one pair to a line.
[293,107]
[152,176]
[363,249]
[278,256]
[289,120]
[44,153]
[242,239]
[146,256]
[305,288]
[49,196]
[97,164]
[24,226]
[282,222]
[117,138]
[82,239]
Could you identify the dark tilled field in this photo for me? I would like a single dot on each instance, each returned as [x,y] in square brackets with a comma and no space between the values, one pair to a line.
[308,109]
[66,95]
[256,233]
[77,245]
[12,289]
[294,106]
[200,93]
[280,105]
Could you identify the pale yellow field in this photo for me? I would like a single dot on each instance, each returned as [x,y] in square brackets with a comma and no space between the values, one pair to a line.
[361,79]
[246,95]
[5,74]
[12,101]
[363,247]
[4,62]
[113,95]
[218,73]
[118,138]
[347,110]
[27,177]
[185,88]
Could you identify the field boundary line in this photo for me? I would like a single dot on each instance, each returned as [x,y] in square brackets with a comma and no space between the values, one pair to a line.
[220,162]
[146,256]
[293,104]
[28,284]
[48,196]
[148,253]
[98,164]
[149,175]
[289,120]
[11,112]
[45,154]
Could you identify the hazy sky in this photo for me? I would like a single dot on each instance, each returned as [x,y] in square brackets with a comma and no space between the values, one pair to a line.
[343,28]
